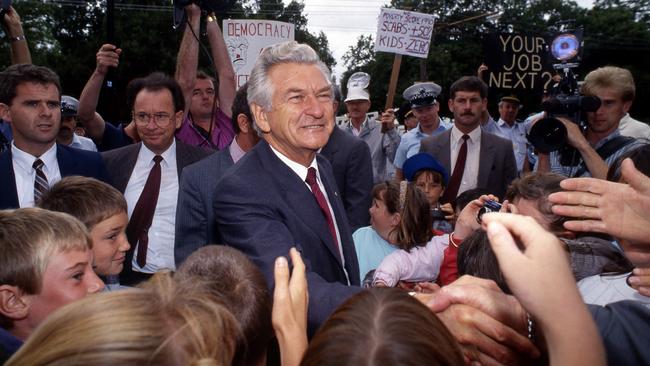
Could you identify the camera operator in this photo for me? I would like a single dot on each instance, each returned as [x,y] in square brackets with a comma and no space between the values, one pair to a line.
[601,143]
[615,88]
[208,102]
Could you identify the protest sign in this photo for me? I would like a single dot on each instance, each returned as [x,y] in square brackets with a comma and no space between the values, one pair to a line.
[245,39]
[404,32]
[517,62]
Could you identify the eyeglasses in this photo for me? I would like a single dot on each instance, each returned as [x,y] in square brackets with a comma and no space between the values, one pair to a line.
[160,119]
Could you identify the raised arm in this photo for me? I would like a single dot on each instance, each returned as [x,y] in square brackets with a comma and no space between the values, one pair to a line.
[187,60]
[107,56]
[14,29]
[223,65]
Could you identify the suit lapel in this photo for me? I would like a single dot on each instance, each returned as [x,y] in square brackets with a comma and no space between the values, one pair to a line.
[9,197]
[129,159]
[299,197]
[486,159]
[66,163]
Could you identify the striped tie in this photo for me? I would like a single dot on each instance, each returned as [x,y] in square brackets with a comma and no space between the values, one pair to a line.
[40,183]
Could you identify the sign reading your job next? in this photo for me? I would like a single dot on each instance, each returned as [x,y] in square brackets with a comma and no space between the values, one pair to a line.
[404,32]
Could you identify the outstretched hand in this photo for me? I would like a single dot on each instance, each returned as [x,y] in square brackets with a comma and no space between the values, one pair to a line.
[489,325]
[621,210]
[290,300]
[540,277]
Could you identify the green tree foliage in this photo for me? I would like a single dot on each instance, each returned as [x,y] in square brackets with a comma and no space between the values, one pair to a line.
[616,33]
[65,36]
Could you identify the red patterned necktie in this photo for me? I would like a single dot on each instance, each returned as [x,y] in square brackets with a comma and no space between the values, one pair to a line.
[322,202]
[454,182]
[40,181]
[137,231]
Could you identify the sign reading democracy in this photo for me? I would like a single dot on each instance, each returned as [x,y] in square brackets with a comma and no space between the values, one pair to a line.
[245,39]
[517,62]
[404,32]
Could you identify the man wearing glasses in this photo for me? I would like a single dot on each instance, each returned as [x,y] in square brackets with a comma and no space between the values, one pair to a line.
[148,175]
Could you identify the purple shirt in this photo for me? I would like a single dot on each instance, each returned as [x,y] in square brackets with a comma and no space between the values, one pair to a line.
[222,132]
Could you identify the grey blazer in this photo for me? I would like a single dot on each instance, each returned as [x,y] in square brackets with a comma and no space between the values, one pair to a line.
[497,166]
[195,225]
[120,162]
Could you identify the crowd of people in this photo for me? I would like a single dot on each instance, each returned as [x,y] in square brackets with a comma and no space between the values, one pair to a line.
[226,225]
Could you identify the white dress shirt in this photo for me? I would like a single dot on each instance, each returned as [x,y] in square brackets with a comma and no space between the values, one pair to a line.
[470,175]
[301,171]
[25,173]
[516,134]
[160,250]
[83,143]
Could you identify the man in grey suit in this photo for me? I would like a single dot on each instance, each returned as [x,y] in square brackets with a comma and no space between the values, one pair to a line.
[489,161]
[195,225]
[147,173]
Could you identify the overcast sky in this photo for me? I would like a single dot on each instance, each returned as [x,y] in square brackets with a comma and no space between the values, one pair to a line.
[343,21]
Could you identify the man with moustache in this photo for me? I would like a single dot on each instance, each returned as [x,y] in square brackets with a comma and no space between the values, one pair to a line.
[30,100]
[475,158]
[67,133]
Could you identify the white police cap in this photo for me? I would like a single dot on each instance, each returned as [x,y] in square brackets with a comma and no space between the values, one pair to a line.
[422,94]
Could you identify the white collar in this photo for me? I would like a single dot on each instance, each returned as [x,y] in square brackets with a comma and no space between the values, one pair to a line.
[474,135]
[25,160]
[167,155]
[297,168]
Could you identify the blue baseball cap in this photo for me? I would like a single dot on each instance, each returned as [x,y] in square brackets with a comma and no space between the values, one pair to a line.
[423,161]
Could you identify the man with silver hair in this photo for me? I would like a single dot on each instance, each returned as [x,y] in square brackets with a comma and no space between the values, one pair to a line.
[282,194]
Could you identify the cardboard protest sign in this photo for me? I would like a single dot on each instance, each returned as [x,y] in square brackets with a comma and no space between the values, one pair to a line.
[245,40]
[517,62]
[404,32]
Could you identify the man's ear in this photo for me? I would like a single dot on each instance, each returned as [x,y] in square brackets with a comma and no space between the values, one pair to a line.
[450,104]
[4,112]
[627,105]
[261,117]
[13,303]
[245,125]
[178,119]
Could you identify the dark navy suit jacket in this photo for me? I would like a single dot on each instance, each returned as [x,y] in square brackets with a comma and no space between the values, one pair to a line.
[195,225]
[352,165]
[71,162]
[263,209]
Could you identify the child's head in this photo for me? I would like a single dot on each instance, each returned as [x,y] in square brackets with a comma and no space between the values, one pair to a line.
[102,209]
[416,221]
[384,211]
[391,327]
[427,174]
[157,325]
[46,263]
[231,277]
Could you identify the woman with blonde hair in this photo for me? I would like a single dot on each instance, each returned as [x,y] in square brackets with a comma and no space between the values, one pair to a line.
[161,324]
